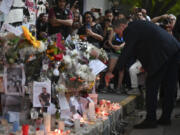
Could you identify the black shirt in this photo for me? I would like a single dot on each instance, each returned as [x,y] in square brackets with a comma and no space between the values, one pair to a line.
[96,29]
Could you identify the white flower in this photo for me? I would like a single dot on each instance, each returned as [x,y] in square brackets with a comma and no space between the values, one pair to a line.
[74,52]
[45,67]
[67,61]
[42,47]
[60,88]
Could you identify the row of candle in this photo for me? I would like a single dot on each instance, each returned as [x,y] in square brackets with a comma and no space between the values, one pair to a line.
[102,110]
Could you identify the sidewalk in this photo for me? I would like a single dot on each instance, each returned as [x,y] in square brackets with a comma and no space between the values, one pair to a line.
[128,105]
[174,129]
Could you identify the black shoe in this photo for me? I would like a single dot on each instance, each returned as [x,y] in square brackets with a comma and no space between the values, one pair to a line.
[164,122]
[146,124]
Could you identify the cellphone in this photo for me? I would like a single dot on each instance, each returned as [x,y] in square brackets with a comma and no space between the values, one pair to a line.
[88,26]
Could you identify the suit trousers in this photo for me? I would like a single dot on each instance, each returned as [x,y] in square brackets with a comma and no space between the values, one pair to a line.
[166,79]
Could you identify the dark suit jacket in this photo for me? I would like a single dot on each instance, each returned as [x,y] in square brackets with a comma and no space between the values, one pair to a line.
[149,43]
[176,30]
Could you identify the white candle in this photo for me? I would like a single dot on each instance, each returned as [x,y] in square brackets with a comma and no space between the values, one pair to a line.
[47,122]
[94,97]
[91,110]
[77,124]
[40,132]
[61,125]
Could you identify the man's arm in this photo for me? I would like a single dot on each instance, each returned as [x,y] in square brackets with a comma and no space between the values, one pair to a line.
[41,100]
[57,22]
[131,38]
[156,19]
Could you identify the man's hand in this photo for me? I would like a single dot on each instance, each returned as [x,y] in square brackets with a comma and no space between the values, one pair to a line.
[108,77]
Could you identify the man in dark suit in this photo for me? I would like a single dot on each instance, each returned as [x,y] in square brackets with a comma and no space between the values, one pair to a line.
[176,33]
[157,51]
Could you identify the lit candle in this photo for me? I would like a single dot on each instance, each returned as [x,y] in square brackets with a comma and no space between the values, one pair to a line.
[40,132]
[61,125]
[103,113]
[102,102]
[108,104]
[25,130]
[58,132]
[47,122]
[97,110]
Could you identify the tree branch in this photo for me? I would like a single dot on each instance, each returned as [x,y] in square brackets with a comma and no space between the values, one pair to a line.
[168,6]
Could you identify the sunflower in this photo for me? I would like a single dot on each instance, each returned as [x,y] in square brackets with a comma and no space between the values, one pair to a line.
[30,37]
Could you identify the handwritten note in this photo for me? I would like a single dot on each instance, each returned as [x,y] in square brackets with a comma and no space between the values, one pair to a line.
[13,116]
[63,102]
[15,15]
[5,6]
[97,66]
[12,29]
[18,3]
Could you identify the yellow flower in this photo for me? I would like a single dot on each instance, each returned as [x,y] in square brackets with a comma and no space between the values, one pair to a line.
[30,37]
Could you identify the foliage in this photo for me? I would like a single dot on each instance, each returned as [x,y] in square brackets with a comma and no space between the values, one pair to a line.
[153,7]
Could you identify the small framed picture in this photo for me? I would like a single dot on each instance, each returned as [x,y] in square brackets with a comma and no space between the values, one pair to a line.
[2,83]
[41,94]
[14,80]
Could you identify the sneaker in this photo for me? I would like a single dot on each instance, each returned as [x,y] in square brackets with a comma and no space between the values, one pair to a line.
[120,91]
[146,124]
[134,91]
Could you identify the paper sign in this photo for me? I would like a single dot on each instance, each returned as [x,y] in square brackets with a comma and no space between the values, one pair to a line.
[5,6]
[11,29]
[13,116]
[15,15]
[41,94]
[18,3]
[66,114]
[73,102]
[97,66]
[63,102]
[52,109]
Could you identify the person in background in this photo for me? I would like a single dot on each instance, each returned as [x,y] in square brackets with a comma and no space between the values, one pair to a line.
[42,26]
[166,21]
[91,29]
[77,22]
[118,15]
[140,16]
[60,19]
[144,12]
